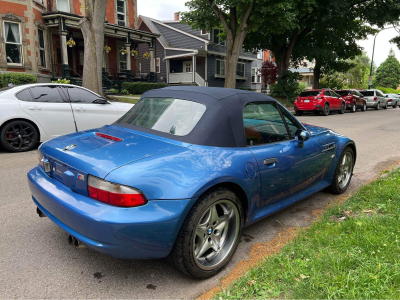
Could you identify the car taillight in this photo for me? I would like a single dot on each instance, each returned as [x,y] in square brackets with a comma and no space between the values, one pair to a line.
[375,98]
[390,100]
[114,194]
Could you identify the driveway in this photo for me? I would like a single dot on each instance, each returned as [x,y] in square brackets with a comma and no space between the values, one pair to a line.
[37,262]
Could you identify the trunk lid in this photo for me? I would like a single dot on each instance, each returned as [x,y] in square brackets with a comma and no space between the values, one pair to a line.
[90,154]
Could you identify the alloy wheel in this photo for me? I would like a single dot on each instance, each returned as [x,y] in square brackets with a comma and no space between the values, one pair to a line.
[345,169]
[216,234]
[20,136]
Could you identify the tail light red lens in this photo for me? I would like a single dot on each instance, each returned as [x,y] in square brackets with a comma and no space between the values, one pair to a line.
[390,100]
[375,98]
[114,194]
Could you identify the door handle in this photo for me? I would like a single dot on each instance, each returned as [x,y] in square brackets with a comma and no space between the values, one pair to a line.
[34,108]
[270,161]
[80,109]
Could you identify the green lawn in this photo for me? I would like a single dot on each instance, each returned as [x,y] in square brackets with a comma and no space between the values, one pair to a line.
[353,252]
[128,100]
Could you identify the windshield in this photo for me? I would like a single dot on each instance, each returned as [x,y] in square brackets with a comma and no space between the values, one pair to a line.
[173,116]
[309,93]
[367,93]
[344,93]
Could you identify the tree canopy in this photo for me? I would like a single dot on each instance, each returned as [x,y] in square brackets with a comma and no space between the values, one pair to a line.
[388,73]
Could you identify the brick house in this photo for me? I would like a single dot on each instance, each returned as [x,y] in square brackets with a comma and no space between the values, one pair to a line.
[34,36]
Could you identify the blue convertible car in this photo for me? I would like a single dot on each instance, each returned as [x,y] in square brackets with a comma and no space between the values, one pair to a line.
[183,172]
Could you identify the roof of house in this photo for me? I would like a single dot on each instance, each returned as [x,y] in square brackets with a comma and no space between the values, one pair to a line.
[154,29]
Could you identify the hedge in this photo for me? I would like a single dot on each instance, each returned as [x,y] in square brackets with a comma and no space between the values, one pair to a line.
[388,90]
[16,79]
[138,88]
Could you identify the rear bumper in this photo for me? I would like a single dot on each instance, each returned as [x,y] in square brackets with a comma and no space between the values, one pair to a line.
[308,106]
[143,232]
[372,104]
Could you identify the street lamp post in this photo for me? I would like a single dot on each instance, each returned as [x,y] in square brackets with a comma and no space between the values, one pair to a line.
[372,60]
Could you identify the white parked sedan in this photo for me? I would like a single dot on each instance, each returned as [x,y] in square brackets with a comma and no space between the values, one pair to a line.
[34,113]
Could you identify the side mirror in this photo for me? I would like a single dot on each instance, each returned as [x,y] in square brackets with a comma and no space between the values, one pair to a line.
[100,101]
[302,135]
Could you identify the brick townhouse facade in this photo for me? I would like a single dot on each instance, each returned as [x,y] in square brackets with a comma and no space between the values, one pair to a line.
[34,37]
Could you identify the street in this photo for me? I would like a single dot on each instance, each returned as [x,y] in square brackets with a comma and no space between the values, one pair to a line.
[37,262]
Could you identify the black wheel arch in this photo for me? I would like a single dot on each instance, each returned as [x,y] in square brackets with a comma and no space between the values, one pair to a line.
[353,147]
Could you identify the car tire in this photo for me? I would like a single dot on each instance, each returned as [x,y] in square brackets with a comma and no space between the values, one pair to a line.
[299,113]
[353,108]
[364,107]
[19,136]
[385,107]
[342,109]
[395,105]
[378,105]
[325,111]
[345,168]
[205,217]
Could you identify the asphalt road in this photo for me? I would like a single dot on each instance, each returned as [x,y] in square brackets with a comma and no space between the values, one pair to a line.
[37,262]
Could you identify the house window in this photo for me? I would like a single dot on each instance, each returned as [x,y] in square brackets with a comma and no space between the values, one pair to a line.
[121,12]
[260,55]
[240,70]
[204,32]
[255,77]
[217,40]
[220,67]
[309,80]
[122,60]
[187,66]
[13,43]
[63,5]
[140,67]
[41,48]
[157,64]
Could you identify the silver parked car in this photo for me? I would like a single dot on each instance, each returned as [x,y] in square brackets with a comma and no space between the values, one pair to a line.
[393,100]
[375,99]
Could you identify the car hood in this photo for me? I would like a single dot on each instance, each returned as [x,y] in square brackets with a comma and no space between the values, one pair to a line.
[315,130]
[99,156]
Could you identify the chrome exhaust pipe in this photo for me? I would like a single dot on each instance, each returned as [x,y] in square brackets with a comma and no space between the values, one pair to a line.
[71,240]
[78,245]
[40,213]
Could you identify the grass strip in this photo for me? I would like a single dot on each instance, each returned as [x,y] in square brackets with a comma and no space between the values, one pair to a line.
[353,252]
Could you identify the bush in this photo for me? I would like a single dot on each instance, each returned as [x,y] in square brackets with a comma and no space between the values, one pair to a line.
[138,88]
[302,87]
[16,79]
[64,81]
[287,86]
[388,90]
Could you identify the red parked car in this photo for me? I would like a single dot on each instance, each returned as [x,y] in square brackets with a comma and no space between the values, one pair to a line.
[354,100]
[319,101]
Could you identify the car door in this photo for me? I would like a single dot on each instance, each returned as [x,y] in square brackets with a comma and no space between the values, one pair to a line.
[337,99]
[49,108]
[87,114]
[381,98]
[328,96]
[286,167]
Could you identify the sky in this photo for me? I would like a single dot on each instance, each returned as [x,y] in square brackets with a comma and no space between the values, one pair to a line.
[164,10]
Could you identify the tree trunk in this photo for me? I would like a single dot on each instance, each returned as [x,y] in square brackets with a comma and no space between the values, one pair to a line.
[92,26]
[317,74]
[234,45]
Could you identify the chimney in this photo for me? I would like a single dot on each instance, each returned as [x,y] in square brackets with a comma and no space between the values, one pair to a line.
[176,16]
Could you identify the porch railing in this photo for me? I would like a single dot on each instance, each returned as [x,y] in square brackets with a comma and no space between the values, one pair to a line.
[180,77]
[199,80]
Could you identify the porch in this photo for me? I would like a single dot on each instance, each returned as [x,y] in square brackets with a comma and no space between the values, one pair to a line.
[119,62]
[186,69]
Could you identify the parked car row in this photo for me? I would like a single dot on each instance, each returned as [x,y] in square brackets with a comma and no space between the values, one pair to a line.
[324,101]
[37,112]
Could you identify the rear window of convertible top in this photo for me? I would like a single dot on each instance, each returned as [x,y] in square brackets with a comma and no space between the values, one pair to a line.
[169,115]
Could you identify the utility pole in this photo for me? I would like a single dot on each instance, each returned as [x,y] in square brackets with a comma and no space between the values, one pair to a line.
[372,60]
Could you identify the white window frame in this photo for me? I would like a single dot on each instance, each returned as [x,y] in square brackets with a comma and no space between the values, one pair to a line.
[244,69]
[217,72]
[20,43]
[255,75]
[42,48]
[69,9]
[157,64]
[119,13]
[260,55]
[220,42]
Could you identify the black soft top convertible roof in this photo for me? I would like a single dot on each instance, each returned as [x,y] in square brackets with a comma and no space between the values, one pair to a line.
[222,122]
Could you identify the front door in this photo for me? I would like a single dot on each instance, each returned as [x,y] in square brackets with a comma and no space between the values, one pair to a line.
[187,66]
[286,167]
[57,56]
